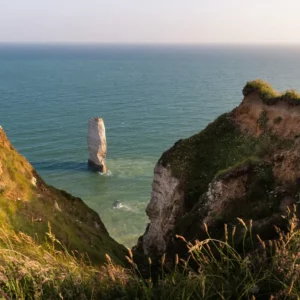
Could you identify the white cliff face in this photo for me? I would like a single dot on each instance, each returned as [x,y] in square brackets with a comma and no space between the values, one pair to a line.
[166,204]
[97,144]
[221,192]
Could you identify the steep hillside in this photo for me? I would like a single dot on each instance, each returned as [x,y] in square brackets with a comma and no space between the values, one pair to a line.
[246,164]
[28,204]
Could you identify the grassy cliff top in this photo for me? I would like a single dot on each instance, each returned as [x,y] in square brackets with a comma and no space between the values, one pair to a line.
[268,94]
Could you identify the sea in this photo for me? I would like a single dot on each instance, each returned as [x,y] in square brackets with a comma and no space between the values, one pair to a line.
[149,97]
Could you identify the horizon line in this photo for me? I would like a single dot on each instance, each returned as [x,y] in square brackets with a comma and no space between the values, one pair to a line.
[32,43]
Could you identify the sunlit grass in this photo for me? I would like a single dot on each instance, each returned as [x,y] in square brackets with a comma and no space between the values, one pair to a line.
[268,94]
[214,269]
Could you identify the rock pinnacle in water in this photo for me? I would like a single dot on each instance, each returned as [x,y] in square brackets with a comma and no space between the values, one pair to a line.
[97,144]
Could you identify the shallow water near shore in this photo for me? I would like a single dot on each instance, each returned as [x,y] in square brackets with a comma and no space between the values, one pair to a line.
[149,97]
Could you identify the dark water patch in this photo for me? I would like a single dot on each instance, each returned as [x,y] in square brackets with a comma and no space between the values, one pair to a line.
[61,166]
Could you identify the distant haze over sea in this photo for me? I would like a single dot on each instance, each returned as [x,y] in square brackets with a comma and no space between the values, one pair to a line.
[148,96]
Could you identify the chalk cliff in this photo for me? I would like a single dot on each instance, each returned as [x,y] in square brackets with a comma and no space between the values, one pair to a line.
[166,205]
[245,164]
[97,144]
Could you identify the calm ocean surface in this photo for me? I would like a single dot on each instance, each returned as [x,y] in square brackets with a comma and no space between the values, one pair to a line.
[148,96]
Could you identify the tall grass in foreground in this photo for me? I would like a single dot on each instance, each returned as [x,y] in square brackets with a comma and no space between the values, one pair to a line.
[213,270]
[32,271]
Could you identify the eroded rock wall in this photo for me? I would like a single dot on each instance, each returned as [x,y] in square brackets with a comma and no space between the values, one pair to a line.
[166,204]
[281,118]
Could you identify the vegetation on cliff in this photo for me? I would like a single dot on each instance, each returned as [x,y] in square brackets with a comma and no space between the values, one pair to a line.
[267,93]
[28,204]
[222,145]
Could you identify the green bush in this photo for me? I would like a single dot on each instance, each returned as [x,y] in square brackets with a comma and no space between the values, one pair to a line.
[291,96]
[268,94]
[263,120]
[265,90]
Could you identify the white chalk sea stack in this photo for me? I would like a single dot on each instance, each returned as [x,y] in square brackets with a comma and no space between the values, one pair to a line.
[97,144]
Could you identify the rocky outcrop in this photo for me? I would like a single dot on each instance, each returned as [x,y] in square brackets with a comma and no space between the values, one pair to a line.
[97,144]
[166,204]
[246,164]
[221,192]
[281,118]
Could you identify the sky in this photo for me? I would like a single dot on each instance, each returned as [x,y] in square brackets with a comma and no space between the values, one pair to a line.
[150,21]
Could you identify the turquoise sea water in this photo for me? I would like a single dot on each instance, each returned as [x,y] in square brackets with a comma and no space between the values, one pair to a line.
[148,96]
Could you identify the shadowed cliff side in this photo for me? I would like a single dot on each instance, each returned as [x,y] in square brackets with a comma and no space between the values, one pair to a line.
[246,164]
[28,204]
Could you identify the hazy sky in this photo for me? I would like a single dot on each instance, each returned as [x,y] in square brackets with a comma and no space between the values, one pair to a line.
[151,21]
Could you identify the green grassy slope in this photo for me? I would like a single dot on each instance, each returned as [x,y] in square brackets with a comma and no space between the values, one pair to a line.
[29,207]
